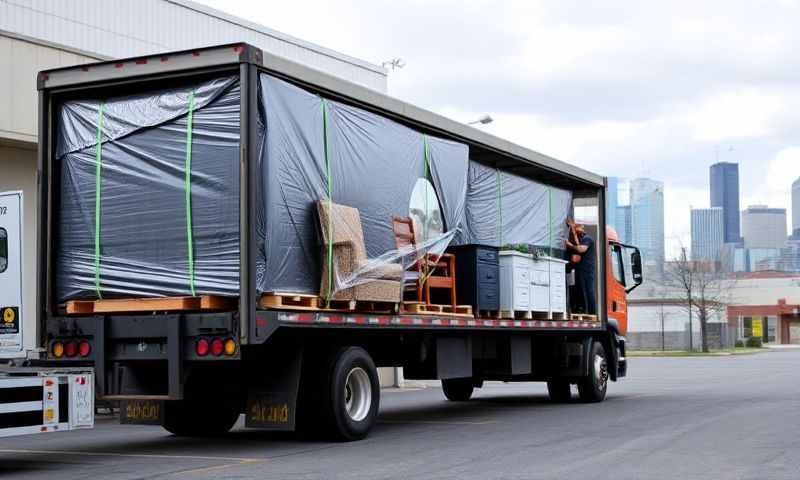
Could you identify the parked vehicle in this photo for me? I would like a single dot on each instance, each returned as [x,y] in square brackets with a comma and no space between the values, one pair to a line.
[190,335]
[33,398]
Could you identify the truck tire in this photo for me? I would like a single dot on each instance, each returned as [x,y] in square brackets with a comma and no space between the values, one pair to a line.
[199,418]
[350,394]
[559,391]
[592,388]
[458,389]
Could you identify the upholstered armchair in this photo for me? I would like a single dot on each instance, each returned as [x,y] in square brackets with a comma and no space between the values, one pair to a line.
[354,276]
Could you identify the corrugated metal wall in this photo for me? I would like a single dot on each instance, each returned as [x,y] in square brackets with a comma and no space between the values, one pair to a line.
[125,28]
[20,61]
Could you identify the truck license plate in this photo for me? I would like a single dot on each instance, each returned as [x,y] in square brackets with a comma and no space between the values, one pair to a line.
[141,412]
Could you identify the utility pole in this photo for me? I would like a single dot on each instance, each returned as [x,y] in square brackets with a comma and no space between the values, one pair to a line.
[691,294]
[662,327]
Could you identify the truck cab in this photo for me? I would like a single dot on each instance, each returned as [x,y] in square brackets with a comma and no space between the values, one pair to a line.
[623,275]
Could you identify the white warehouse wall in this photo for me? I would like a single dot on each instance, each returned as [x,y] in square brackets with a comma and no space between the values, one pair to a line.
[124,28]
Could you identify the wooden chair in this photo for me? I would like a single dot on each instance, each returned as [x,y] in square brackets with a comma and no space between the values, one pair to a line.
[430,270]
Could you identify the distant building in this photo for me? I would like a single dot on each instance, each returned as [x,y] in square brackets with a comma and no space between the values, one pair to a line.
[618,209]
[764,227]
[734,258]
[724,179]
[611,201]
[771,299]
[647,220]
[707,234]
[623,226]
[796,209]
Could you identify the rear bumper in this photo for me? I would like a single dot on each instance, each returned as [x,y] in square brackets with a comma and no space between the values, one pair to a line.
[142,356]
[37,400]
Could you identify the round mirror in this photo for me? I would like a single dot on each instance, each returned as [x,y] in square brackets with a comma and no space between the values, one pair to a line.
[424,210]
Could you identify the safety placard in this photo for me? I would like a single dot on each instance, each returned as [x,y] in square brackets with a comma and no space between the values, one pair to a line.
[81,401]
[758,327]
[50,401]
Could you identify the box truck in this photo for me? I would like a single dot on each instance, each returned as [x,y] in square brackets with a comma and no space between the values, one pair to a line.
[229,233]
[33,399]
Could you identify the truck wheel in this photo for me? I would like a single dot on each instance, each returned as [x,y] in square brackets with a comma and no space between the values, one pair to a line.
[559,391]
[592,388]
[199,418]
[457,389]
[350,394]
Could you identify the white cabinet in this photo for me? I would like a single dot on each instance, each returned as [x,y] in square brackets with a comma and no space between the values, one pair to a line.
[532,285]
[515,279]
[558,285]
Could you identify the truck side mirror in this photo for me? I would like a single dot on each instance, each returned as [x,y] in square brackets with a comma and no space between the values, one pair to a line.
[636,268]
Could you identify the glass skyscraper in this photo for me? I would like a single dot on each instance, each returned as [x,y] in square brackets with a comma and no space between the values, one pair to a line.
[647,220]
[725,194]
[707,233]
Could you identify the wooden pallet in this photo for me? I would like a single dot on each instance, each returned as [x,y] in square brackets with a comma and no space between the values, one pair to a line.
[488,314]
[155,304]
[304,301]
[582,317]
[554,316]
[418,308]
[293,301]
[521,314]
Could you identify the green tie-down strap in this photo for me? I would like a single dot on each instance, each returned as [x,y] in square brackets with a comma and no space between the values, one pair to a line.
[98,159]
[329,183]
[187,187]
[499,190]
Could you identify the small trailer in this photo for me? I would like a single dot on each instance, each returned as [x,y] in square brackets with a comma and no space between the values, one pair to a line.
[42,399]
[179,241]
[33,399]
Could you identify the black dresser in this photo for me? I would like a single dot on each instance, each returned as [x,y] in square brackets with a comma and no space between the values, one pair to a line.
[477,276]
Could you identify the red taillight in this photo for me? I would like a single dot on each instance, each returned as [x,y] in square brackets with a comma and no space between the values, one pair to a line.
[70,349]
[84,348]
[217,347]
[201,347]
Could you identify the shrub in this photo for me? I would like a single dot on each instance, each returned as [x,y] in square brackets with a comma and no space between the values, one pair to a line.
[754,342]
[739,344]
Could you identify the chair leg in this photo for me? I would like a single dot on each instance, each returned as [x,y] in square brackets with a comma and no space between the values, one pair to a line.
[427,293]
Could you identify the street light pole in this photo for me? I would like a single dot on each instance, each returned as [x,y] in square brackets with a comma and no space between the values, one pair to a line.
[483,120]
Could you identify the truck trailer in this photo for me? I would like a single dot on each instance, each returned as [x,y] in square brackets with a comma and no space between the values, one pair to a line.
[183,238]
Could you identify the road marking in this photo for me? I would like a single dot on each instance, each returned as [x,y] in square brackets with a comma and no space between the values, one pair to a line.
[438,422]
[196,471]
[133,455]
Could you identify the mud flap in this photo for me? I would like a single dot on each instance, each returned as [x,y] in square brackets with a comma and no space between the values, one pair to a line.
[272,400]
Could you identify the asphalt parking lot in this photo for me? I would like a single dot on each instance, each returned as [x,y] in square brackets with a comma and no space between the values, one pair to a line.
[692,417]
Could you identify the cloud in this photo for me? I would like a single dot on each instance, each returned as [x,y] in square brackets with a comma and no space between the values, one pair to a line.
[657,89]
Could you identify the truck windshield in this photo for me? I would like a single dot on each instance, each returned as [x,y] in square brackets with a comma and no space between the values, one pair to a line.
[3,250]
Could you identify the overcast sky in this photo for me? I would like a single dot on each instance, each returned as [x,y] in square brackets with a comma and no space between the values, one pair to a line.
[656,89]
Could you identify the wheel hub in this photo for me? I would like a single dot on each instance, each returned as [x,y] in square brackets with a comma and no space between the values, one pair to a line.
[600,371]
[357,394]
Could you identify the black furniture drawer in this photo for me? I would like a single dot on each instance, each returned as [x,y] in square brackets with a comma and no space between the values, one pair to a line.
[487,256]
[477,276]
[488,273]
[488,296]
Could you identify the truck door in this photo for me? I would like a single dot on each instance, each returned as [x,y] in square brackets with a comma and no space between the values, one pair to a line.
[615,284]
[11,274]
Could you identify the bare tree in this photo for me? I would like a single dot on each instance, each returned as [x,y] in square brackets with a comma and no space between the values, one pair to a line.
[703,287]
